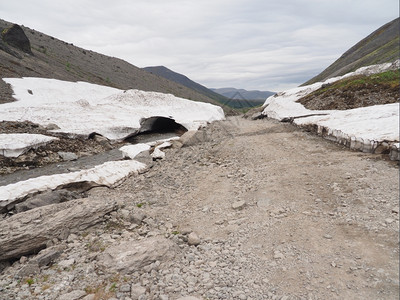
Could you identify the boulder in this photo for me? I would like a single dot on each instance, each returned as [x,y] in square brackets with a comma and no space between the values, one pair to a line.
[131,256]
[193,137]
[67,156]
[28,232]
[16,37]
[47,198]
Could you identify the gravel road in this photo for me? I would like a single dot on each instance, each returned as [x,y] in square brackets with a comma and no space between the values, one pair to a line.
[256,210]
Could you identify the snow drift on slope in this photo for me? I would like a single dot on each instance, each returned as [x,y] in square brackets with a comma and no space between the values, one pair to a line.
[83,108]
[13,145]
[360,128]
[108,174]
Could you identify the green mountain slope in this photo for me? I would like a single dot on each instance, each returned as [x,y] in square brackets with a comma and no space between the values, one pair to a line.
[381,46]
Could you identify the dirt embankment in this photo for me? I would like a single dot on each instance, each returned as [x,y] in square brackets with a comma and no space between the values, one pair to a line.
[355,92]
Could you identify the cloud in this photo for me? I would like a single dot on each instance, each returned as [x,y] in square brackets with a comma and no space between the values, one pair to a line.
[253,44]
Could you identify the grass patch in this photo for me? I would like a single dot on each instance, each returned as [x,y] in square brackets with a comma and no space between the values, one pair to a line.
[389,79]
[30,281]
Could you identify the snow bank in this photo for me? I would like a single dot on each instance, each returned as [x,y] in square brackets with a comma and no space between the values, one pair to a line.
[131,151]
[108,174]
[83,108]
[361,128]
[13,145]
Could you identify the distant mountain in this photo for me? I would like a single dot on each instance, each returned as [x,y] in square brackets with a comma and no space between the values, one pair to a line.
[241,94]
[237,103]
[183,80]
[381,46]
[25,52]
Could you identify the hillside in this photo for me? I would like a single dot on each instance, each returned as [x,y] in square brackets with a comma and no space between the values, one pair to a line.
[243,94]
[184,80]
[379,47]
[53,58]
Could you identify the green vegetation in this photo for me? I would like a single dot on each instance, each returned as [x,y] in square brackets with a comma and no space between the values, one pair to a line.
[113,287]
[30,281]
[389,79]
[5,31]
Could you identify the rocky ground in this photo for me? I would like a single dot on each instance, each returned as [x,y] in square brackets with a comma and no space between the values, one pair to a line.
[65,148]
[244,210]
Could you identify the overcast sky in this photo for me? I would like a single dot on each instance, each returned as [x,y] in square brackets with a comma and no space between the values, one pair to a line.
[251,44]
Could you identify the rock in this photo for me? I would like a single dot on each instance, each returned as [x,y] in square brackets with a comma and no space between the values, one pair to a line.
[4,265]
[89,297]
[132,256]
[193,137]
[66,263]
[239,204]
[47,256]
[5,48]
[395,210]
[278,255]
[30,231]
[67,156]
[47,198]
[193,239]
[157,154]
[102,141]
[15,37]
[125,288]
[137,217]
[328,236]
[389,221]
[189,298]
[28,269]
[137,291]
[257,116]
[74,295]
[72,238]
[51,126]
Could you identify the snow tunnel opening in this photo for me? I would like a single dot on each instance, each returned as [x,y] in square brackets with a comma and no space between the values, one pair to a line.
[157,128]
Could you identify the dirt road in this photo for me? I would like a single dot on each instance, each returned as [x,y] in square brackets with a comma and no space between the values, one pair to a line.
[312,220]
[277,213]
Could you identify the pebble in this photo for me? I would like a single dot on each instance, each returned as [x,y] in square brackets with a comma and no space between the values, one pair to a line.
[238,205]
[193,239]
[389,221]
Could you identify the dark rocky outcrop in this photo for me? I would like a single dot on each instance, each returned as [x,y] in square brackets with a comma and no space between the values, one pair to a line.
[16,37]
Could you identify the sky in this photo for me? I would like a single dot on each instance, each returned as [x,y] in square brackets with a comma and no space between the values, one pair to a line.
[250,44]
